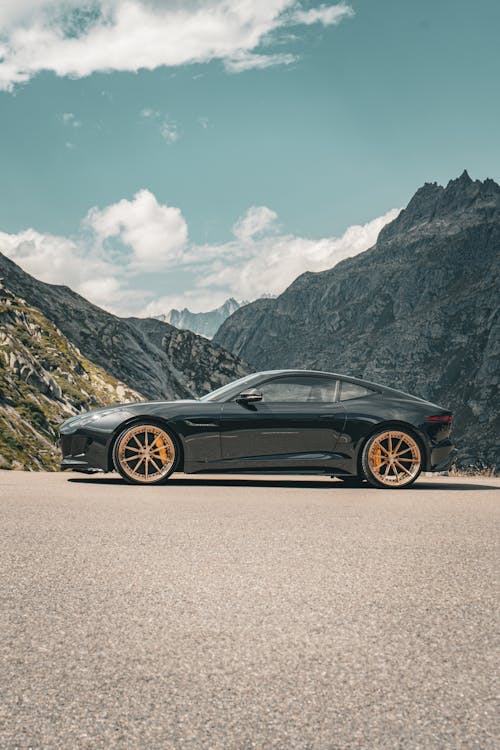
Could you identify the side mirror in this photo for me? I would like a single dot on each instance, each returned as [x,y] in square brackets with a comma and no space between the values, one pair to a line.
[250,396]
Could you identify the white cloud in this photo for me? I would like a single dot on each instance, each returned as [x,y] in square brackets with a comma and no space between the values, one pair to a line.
[148,113]
[43,255]
[260,261]
[68,118]
[256,220]
[242,61]
[12,11]
[169,131]
[328,15]
[270,263]
[89,271]
[156,233]
[107,291]
[59,260]
[167,127]
[74,39]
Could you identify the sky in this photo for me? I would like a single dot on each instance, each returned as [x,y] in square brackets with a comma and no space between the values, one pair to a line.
[170,153]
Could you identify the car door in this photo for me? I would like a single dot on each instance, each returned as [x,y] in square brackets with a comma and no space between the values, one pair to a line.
[297,424]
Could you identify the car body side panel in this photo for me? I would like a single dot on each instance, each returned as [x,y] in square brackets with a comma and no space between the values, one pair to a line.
[280,435]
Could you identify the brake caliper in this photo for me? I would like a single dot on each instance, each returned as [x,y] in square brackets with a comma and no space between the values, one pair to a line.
[377,458]
[162,449]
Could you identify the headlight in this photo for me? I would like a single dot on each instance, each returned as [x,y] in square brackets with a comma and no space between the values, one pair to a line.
[93,417]
[81,420]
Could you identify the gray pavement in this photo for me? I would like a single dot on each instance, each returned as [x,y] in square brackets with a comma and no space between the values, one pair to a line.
[246,614]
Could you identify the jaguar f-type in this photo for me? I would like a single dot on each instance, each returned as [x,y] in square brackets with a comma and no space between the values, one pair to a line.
[286,421]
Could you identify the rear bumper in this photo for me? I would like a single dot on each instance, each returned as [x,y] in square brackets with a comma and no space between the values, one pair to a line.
[443,454]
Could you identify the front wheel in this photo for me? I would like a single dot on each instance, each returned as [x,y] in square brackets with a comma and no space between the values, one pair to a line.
[392,459]
[145,454]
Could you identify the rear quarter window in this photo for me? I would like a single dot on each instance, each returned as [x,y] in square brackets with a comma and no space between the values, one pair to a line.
[349,391]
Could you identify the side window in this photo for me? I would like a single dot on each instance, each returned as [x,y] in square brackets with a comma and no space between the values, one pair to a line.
[351,390]
[299,389]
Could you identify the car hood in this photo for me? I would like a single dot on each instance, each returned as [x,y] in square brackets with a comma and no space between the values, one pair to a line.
[130,407]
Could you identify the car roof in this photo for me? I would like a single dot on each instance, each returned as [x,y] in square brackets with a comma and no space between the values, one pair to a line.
[349,378]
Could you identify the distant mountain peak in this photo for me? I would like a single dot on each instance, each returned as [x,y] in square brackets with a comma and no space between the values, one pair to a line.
[464,179]
[462,185]
[203,323]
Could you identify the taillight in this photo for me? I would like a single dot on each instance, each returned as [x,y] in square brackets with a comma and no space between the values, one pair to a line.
[442,418]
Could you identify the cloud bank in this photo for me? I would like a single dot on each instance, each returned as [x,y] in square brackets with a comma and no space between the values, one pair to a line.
[143,238]
[76,39]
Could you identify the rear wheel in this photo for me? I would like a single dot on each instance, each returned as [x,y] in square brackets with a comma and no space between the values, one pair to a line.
[392,459]
[145,454]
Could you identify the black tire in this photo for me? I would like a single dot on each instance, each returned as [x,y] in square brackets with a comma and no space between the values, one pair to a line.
[392,458]
[153,448]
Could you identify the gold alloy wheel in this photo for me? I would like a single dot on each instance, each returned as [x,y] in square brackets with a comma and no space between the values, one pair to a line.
[146,453]
[394,458]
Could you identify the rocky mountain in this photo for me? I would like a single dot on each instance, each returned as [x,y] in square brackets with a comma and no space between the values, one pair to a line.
[418,311]
[200,365]
[60,354]
[203,323]
[43,380]
[123,348]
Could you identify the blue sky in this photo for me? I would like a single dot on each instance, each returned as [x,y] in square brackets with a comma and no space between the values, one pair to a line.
[279,142]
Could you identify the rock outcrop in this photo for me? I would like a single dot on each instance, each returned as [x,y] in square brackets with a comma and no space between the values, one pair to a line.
[43,380]
[195,362]
[418,311]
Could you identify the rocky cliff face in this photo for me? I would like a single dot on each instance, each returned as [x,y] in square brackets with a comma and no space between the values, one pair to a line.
[419,311]
[43,380]
[200,365]
[204,323]
[123,348]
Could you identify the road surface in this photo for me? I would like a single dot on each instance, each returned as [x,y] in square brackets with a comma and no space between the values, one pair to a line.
[246,614]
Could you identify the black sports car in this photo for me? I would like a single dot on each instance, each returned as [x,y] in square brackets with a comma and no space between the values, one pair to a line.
[284,421]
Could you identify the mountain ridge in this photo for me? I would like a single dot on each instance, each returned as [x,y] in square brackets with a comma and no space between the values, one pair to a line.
[60,355]
[116,344]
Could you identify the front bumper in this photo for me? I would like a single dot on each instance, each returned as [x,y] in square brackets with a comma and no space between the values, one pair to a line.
[72,464]
[83,452]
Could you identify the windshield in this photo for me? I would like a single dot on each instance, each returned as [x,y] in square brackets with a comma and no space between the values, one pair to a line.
[223,393]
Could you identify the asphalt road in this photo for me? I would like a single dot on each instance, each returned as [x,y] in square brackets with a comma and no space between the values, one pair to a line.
[240,614]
